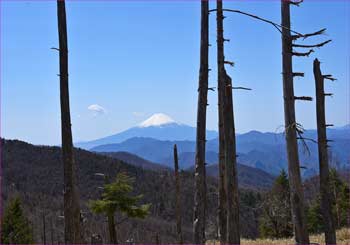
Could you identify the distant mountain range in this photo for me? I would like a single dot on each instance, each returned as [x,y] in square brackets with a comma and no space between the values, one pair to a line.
[154,139]
[159,126]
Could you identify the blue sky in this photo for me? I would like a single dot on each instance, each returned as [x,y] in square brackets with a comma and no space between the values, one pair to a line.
[135,59]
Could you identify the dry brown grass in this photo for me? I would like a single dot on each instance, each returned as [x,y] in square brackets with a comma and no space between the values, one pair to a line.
[343,237]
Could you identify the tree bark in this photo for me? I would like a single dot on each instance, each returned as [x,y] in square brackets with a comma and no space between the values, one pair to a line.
[325,192]
[225,85]
[71,199]
[200,173]
[178,197]
[222,212]
[297,196]
[111,229]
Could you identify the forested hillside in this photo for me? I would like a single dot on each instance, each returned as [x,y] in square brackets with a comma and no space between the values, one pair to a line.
[35,174]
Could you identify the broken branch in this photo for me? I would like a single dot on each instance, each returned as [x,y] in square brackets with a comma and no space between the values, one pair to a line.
[298,74]
[329,77]
[229,63]
[303,54]
[296,3]
[307,98]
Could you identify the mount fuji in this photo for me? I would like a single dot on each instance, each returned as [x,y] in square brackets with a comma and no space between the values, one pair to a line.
[159,126]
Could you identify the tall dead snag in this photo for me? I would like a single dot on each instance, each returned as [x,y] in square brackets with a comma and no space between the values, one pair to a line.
[71,199]
[178,198]
[225,88]
[292,128]
[200,176]
[222,211]
[323,156]
[297,196]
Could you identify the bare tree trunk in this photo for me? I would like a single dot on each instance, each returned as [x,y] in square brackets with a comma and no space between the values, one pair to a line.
[326,206]
[178,197]
[51,231]
[222,168]
[71,198]
[111,229]
[200,173]
[222,215]
[225,84]
[297,196]
[44,229]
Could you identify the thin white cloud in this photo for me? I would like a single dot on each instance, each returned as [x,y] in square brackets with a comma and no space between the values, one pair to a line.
[97,109]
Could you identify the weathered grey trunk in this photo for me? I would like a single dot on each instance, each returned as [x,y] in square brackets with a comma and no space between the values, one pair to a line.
[111,229]
[178,198]
[225,85]
[326,206]
[71,198]
[200,173]
[297,196]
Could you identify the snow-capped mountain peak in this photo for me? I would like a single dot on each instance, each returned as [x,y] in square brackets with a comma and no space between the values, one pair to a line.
[157,119]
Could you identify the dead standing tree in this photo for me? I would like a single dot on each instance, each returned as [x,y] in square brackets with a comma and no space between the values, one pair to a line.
[226,114]
[178,198]
[200,173]
[291,126]
[71,198]
[326,206]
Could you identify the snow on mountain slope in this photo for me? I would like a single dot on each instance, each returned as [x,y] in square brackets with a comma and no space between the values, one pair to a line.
[157,119]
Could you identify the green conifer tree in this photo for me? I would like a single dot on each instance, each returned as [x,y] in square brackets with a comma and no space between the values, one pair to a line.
[117,197]
[15,227]
[340,205]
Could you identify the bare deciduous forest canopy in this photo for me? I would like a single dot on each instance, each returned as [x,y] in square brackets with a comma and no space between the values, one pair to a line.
[164,181]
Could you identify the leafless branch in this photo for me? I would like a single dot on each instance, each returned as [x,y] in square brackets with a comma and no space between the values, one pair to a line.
[307,98]
[298,74]
[229,63]
[296,3]
[329,77]
[243,88]
[311,46]
[328,94]
[211,88]
[259,18]
[307,139]
[329,125]
[320,32]
[303,54]
[53,48]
